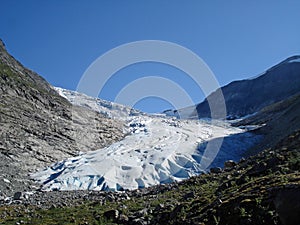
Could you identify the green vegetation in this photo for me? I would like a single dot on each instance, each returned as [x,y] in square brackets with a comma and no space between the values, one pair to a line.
[10,77]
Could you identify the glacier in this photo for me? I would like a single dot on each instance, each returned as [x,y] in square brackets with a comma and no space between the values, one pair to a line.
[157,149]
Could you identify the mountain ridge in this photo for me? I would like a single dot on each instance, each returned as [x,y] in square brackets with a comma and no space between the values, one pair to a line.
[276,84]
[247,96]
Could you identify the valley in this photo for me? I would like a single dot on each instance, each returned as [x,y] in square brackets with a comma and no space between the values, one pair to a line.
[156,150]
[67,158]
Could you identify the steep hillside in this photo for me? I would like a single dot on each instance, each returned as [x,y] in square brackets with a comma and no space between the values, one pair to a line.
[39,127]
[279,120]
[245,97]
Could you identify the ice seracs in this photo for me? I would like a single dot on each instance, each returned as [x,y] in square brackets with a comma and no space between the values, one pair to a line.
[156,150]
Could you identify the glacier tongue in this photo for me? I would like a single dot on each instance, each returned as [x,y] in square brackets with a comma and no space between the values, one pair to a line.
[158,150]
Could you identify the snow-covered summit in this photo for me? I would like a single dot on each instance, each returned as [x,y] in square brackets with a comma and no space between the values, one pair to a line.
[157,150]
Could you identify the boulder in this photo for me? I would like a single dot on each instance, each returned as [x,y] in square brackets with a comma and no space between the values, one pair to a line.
[287,203]
[18,196]
[257,169]
[216,170]
[112,214]
[230,164]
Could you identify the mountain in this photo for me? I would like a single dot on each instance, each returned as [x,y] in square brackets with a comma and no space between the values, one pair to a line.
[245,97]
[39,127]
[157,149]
[91,144]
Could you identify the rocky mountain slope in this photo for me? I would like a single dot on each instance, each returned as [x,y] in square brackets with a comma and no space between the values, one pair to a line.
[39,127]
[277,121]
[248,96]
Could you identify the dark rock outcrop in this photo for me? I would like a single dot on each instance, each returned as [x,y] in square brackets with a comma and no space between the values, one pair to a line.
[248,96]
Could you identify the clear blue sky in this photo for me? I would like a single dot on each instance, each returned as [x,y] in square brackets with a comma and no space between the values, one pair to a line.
[238,39]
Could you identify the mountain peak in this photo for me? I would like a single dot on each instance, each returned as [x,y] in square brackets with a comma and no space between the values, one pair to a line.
[249,96]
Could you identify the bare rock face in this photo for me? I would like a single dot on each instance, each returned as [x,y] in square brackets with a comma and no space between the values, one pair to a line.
[39,127]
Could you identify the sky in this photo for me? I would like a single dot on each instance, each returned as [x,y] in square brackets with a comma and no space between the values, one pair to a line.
[237,39]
